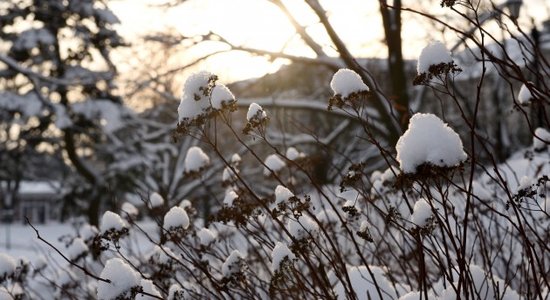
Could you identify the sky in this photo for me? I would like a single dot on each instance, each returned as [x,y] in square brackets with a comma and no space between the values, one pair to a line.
[259,24]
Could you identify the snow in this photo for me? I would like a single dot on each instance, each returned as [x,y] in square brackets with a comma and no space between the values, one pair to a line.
[411,296]
[345,82]
[11,292]
[185,203]
[282,194]
[88,232]
[273,162]
[327,216]
[429,140]
[292,153]
[149,288]
[280,251]
[232,264]
[7,265]
[363,284]
[123,278]
[221,95]
[155,200]
[541,134]
[175,292]
[28,104]
[235,158]
[524,95]
[206,236]
[421,213]
[162,255]
[32,38]
[111,220]
[229,175]
[129,209]
[255,113]
[433,54]
[76,249]
[302,228]
[195,160]
[194,103]
[230,197]
[176,217]
[108,114]
[364,226]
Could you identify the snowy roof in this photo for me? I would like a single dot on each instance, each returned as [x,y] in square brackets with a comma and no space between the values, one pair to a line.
[36,187]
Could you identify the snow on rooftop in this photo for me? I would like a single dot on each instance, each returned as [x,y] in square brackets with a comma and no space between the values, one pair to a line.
[273,163]
[195,160]
[433,54]
[345,82]
[429,140]
[279,253]
[176,217]
[123,278]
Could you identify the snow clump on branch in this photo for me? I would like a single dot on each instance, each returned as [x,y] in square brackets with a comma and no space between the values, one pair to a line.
[124,281]
[273,163]
[429,141]
[347,86]
[434,60]
[201,98]
[196,160]
[176,217]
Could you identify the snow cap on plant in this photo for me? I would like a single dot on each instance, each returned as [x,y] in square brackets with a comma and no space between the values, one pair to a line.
[256,117]
[348,88]
[273,163]
[434,60]
[176,218]
[429,141]
[196,160]
[541,139]
[124,281]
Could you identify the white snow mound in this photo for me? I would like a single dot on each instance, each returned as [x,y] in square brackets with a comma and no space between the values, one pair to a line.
[429,140]
[176,217]
[123,278]
[433,54]
[196,160]
[346,82]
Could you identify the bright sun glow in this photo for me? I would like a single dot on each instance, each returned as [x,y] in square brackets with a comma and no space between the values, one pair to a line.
[256,24]
[260,24]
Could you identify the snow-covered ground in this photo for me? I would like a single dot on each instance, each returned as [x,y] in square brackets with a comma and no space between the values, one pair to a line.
[20,241]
